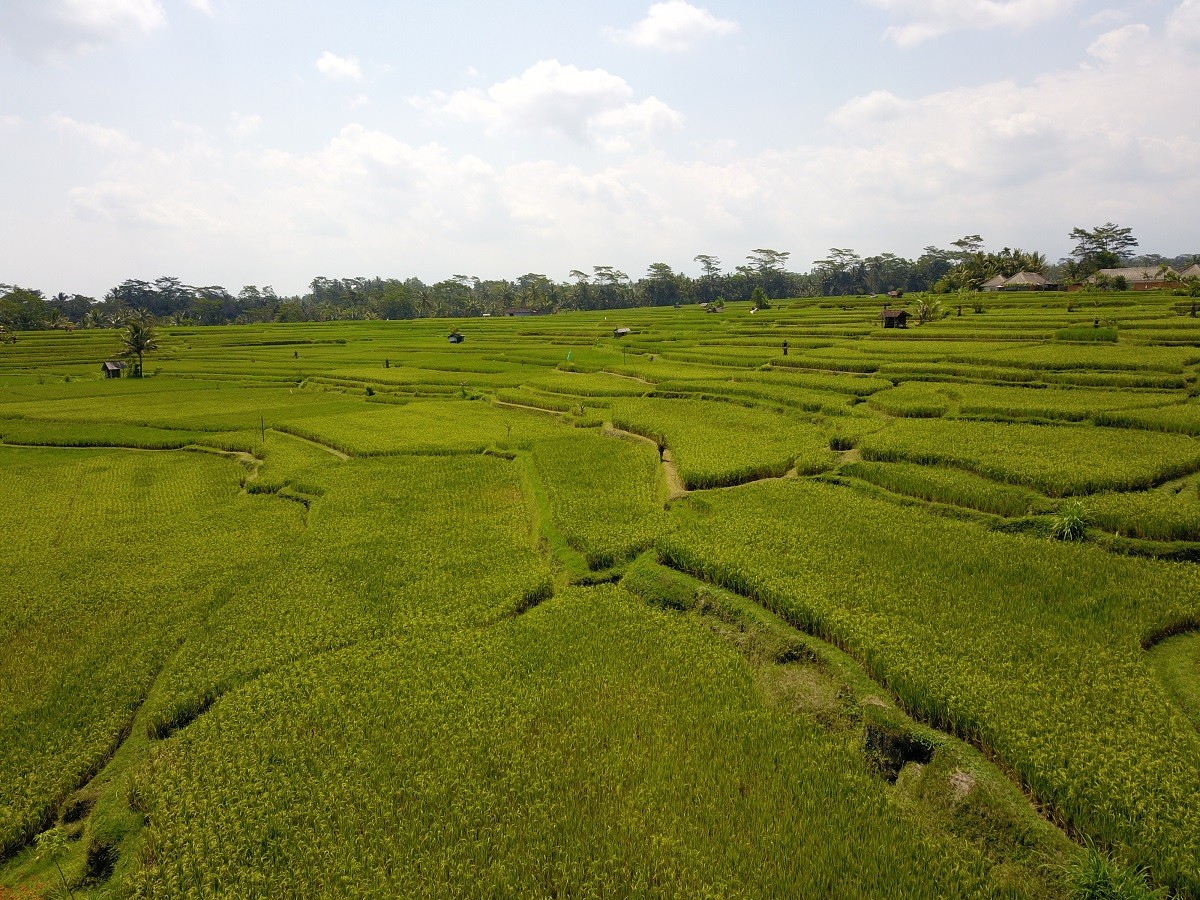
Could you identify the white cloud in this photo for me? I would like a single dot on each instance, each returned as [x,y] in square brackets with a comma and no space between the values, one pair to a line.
[673,26]
[338,68]
[9,121]
[1107,18]
[1021,161]
[48,29]
[100,136]
[1118,43]
[589,106]
[241,126]
[121,203]
[204,6]
[928,19]
[1059,148]
[111,16]
[1183,26]
[870,110]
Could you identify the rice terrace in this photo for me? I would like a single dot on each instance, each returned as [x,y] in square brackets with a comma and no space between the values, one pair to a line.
[348,609]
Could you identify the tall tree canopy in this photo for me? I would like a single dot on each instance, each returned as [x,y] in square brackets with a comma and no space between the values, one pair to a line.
[1103,247]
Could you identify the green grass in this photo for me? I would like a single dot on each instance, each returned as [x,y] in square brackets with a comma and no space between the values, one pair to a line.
[1030,648]
[1160,515]
[85,623]
[949,486]
[1056,460]
[592,747]
[365,652]
[593,481]
[1176,662]
[717,444]
[1086,335]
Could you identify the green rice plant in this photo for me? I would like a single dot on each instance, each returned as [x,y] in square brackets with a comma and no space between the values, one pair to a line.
[1071,404]
[1086,335]
[522,397]
[1055,460]
[592,746]
[855,385]
[321,675]
[757,392]
[605,494]
[962,372]
[428,426]
[601,384]
[829,362]
[1096,877]
[950,486]
[1183,418]
[1175,661]
[34,433]
[915,399]
[393,545]
[1031,649]
[718,444]
[84,631]
[1159,515]
[1098,356]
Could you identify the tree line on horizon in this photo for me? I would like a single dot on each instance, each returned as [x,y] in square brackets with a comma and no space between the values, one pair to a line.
[843,272]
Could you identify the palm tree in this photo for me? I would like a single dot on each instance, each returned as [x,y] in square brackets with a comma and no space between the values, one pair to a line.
[139,338]
[928,309]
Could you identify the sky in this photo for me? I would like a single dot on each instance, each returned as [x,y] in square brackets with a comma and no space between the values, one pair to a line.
[267,142]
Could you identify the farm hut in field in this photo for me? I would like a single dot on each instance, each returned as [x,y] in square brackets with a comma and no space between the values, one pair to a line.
[456,338]
[1027,281]
[1192,271]
[112,369]
[1138,278]
[994,283]
[620,332]
[896,294]
[894,318]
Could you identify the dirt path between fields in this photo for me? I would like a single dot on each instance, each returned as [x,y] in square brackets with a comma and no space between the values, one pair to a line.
[332,451]
[675,486]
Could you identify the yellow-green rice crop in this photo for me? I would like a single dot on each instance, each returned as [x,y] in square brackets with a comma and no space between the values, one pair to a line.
[949,486]
[718,444]
[1031,648]
[605,494]
[593,747]
[1056,460]
[1159,515]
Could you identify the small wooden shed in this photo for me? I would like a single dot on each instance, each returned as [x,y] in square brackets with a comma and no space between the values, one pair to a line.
[620,332]
[894,318]
[455,338]
[112,369]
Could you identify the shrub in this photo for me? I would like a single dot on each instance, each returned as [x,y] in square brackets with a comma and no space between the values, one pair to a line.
[1071,522]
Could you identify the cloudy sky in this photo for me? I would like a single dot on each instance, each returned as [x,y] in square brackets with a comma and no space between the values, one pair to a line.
[267,142]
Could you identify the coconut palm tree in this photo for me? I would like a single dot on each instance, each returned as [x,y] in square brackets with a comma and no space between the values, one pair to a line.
[139,337]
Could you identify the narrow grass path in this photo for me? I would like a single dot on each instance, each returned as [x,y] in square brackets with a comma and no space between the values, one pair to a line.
[675,486]
[332,451]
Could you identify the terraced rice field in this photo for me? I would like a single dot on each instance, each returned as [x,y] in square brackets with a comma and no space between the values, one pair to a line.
[340,610]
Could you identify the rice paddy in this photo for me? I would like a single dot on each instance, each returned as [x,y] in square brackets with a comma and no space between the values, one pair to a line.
[335,609]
